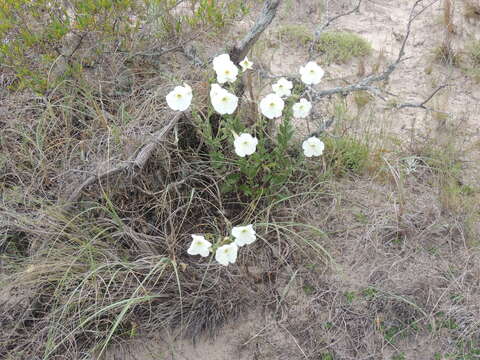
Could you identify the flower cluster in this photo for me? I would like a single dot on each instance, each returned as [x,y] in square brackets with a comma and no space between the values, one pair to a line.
[224,253]
[271,106]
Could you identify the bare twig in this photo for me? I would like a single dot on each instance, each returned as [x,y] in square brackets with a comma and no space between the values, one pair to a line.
[366,84]
[134,165]
[423,103]
[240,50]
[237,53]
[329,21]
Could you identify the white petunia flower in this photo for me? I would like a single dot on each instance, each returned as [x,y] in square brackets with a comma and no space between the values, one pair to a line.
[302,108]
[244,235]
[246,64]
[313,147]
[223,101]
[272,106]
[226,254]
[226,70]
[245,144]
[180,98]
[199,246]
[283,87]
[215,90]
[311,73]
[219,60]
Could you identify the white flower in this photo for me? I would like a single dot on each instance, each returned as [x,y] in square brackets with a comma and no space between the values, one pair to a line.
[282,87]
[302,108]
[313,147]
[311,73]
[180,98]
[226,254]
[223,101]
[199,246]
[244,235]
[219,60]
[246,64]
[215,90]
[272,106]
[245,144]
[225,69]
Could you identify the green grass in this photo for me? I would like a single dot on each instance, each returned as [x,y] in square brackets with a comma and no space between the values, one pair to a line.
[341,47]
[295,33]
[345,155]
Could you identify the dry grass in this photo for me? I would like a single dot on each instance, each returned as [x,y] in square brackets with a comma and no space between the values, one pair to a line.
[446,54]
[471,9]
[366,253]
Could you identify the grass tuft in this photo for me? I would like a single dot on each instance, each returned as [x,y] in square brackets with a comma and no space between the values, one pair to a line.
[345,155]
[340,47]
[471,10]
[446,54]
[295,33]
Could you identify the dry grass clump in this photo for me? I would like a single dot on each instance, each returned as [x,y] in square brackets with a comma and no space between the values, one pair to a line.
[471,9]
[78,281]
[446,54]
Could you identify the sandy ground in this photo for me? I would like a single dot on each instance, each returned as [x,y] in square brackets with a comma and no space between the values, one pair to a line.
[377,284]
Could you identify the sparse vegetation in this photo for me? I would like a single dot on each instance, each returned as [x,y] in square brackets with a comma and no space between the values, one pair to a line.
[446,54]
[367,250]
[471,9]
[340,47]
[295,33]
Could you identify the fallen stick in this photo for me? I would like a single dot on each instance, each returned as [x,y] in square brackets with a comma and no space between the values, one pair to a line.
[133,166]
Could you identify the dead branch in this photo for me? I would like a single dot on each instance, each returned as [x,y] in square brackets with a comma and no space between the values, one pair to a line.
[329,21]
[366,84]
[424,102]
[241,49]
[237,53]
[133,166]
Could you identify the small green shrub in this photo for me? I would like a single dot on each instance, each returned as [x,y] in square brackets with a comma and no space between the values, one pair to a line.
[295,33]
[345,155]
[39,37]
[263,173]
[340,47]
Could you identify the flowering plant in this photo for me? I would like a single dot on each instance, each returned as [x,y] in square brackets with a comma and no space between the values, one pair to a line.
[262,157]
[226,249]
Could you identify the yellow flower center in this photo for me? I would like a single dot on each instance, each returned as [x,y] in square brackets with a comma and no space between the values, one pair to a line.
[179,96]
[312,71]
[245,142]
[199,243]
[272,104]
[227,72]
[225,99]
